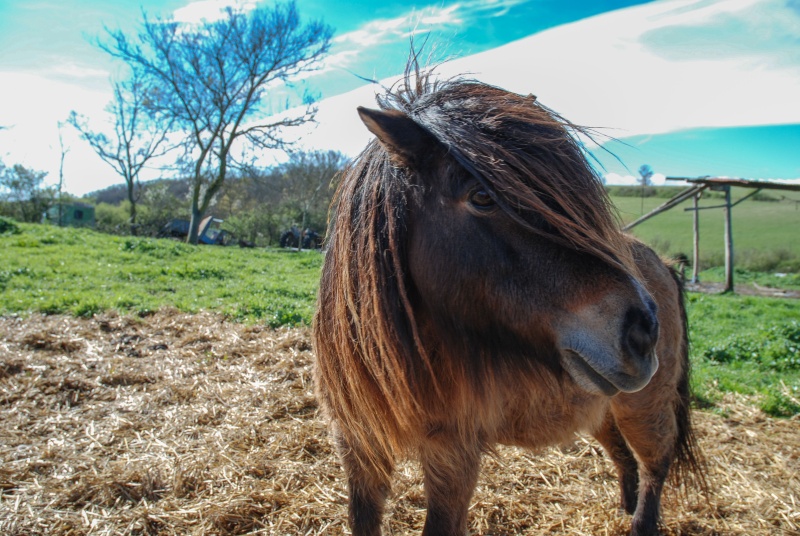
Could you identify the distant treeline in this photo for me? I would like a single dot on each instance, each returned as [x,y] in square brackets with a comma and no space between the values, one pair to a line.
[667,192]
[256,204]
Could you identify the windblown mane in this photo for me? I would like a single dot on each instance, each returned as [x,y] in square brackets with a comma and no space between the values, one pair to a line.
[372,363]
[370,352]
[525,154]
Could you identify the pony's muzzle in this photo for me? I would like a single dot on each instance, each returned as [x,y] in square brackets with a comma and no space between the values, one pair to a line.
[622,358]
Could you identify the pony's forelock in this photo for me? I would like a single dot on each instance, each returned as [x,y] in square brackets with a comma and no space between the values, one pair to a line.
[527,156]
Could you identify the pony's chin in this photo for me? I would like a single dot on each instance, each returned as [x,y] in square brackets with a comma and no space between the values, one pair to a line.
[585,376]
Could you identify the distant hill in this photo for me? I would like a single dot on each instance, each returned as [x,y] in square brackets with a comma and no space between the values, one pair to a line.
[116,194]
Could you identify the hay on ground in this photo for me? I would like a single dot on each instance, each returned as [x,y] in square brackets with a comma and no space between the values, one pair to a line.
[191,425]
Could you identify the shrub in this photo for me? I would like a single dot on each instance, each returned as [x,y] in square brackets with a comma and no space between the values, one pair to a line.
[111,219]
[782,404]
[257,226]
[775,348]
[764,196]
[633,191]
[764,260]
[8,226]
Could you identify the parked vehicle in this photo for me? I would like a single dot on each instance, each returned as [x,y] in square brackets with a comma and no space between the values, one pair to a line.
[209,231]
[308,238]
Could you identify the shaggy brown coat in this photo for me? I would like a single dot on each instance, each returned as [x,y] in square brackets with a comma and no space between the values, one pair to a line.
[477,290]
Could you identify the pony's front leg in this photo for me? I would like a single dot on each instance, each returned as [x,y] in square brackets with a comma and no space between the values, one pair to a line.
[610,437]
[451,472]
[367,488]
[652,438]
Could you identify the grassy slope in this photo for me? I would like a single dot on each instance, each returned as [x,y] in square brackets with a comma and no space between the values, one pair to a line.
[743,344]
[55,270]
[765,233]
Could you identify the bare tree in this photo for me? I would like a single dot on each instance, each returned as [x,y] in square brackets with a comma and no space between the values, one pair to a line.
[140,135]
[308,180]
[60,186]
[211,78]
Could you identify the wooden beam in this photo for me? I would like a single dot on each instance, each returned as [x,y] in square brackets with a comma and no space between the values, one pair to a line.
[674,200]
[689,209]
[748,196]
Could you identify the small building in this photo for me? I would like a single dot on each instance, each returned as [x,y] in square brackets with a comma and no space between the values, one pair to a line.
[72,214]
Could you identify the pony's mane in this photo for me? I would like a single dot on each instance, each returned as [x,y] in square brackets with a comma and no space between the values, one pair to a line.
[364,325]
[527,156]
[374,370]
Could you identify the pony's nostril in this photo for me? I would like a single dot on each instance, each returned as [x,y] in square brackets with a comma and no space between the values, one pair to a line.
[641,332]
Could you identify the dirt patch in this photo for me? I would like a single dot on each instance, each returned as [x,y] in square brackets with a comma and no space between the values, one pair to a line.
[746,289]
[189,424]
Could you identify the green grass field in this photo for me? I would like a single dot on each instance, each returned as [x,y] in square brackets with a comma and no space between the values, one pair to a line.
[81,272]
[748,345]
[766,234]
[741,344]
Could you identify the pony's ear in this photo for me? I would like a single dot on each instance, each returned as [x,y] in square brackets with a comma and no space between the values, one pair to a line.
[407,142]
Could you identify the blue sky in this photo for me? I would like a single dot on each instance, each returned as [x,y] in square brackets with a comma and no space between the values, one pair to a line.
[691,87]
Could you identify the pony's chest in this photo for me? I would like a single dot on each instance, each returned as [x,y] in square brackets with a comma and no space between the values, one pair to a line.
[540,418]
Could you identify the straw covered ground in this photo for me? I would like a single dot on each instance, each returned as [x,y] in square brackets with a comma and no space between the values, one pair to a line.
[190,424]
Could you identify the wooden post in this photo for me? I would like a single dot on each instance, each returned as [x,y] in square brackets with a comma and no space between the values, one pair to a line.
[728,241]
[696,228]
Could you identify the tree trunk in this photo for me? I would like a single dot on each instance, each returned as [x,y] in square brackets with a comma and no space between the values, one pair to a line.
[196,214]
[302,229]
[194,226]
[132,218]
[61,177]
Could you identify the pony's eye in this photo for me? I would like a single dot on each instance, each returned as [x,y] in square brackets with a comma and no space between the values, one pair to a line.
[481,199]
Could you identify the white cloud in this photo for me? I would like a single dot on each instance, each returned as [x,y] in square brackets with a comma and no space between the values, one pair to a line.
[597,72]
[75,70]
[620,180]
[658,179]
[376,32]
[442,16]
[382,31]
[210,10]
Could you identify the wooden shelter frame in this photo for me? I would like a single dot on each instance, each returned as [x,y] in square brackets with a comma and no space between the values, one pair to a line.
[721,184]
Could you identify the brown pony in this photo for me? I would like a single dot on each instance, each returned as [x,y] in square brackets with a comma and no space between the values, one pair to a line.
[477,290]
